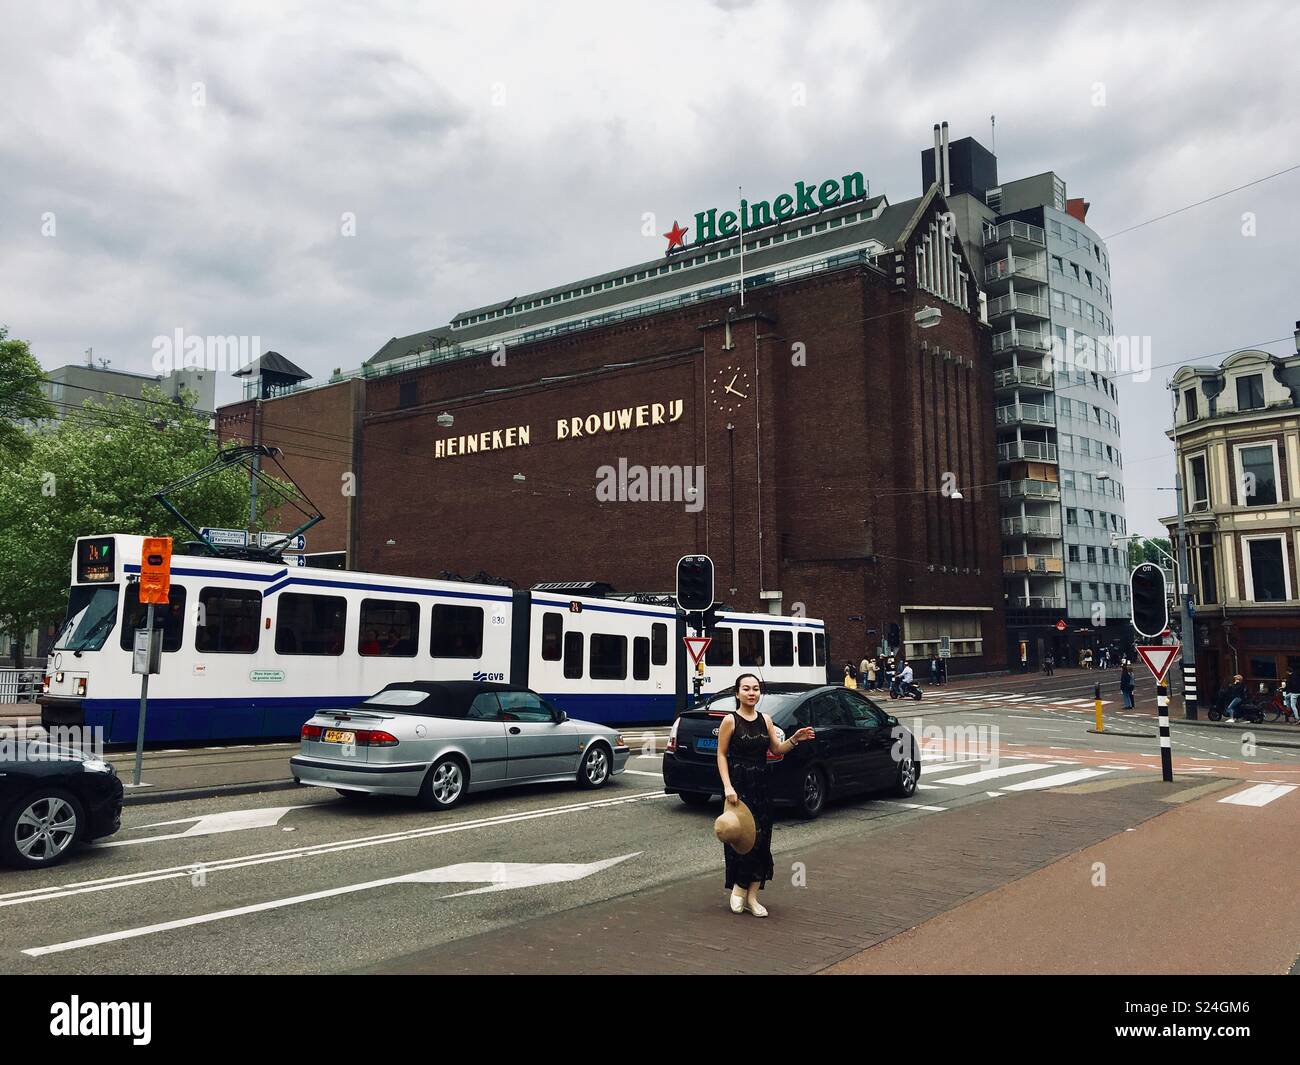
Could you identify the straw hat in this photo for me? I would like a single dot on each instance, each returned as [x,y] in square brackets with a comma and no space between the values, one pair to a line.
[736,826]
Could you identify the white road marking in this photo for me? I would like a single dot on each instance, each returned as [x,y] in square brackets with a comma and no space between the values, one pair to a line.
[917,806]
[210,825]
[1057,779]
[994,774]
[1260,794]
[642,773]
[502,876]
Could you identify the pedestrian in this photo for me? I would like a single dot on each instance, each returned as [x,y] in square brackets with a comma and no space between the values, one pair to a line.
[850,675]
[1051,664]
[1126,686]
[1024,657]
[745,737]
[1291,695]
[871,673]
[1235,695]
[934,669]
[943,671]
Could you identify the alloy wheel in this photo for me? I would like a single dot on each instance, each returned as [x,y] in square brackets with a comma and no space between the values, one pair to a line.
[45,829]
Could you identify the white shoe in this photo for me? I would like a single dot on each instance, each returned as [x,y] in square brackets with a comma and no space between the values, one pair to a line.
[737,903]
[756,908]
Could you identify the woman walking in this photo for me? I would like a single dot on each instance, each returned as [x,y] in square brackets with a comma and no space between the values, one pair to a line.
[1126,685]
[850,675]
[744,738]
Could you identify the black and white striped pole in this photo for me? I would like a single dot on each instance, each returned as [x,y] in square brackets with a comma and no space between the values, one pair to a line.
[1166,747]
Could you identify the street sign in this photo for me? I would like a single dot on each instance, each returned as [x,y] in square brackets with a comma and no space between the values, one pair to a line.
[225,537]
[1060,626]
[1159,657]
[300,560]
[945,646]
[290,543]
[155,569]
[696,646]
[1150,606]
[695,582]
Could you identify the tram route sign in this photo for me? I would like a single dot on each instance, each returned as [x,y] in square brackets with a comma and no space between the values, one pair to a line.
[291,543]
[225,537]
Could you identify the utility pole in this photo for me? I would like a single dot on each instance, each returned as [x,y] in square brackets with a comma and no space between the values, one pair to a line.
[1185,591]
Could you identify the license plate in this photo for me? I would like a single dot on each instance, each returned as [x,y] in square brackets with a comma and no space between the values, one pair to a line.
[707,743]
[334,735]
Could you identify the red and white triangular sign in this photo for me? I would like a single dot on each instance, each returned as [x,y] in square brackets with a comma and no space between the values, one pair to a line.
[696,646]
[1159,657]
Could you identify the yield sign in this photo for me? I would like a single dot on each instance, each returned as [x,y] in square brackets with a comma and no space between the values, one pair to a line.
[1159,657]
[696,646]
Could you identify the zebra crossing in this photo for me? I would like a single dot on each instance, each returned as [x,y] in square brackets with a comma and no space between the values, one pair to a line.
[975,700]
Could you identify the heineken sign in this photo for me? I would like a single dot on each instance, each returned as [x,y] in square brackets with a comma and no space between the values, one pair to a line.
[805,199]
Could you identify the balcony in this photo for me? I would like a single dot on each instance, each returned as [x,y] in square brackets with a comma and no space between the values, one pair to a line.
[1027,489]
[1020,234]
[1018,303]
[1049,528]
[1023,377]
[1021,339]
[1036,450]
[1037,602]
[1026,414]
[1029,268]
[1046,565]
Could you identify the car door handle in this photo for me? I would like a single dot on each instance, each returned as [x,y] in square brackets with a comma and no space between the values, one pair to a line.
[514,730]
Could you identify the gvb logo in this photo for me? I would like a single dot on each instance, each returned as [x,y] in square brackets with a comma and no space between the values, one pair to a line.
[480,675]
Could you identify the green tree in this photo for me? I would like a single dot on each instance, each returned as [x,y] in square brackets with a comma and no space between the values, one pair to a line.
[21,398]
[96,472]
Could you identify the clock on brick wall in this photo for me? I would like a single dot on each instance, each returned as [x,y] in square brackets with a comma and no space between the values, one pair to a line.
[730,390]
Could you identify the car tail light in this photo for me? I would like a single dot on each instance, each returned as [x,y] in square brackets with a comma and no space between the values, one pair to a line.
[375,738]
[79,686]
[672,737]
[311,732]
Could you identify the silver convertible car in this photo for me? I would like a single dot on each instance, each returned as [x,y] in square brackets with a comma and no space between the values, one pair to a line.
[442,739]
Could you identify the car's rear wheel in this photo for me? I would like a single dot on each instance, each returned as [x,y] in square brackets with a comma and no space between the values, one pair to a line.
[40,828]
[909,772]
[695,798]
[595,766]
[444,784]
[812,792]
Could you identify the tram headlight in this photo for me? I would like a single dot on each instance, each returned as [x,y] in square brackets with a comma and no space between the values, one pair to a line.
[79,686]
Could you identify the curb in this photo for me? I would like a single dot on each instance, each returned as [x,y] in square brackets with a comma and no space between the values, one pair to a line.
[1284,729]
[1115,732]
[150,798]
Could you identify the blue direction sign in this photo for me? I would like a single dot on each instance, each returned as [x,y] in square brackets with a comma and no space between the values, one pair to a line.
[225,537]
[302,559]
[282,540]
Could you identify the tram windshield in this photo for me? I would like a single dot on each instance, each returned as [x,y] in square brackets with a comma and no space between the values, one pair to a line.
[91,614]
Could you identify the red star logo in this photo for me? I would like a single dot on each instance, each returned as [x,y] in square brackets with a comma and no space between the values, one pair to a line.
[676,236]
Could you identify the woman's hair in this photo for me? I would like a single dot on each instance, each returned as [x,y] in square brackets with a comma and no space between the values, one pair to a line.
[736,687]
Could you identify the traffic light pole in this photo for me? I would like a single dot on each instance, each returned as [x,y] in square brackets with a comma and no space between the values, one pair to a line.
[1185,596]
[144,701]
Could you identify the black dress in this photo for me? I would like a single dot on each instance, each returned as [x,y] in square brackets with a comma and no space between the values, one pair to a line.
[747,764]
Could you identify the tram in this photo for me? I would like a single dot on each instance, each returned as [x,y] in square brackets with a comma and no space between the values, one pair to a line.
[252,649]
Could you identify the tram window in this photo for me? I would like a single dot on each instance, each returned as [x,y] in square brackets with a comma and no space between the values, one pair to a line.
[552,636]
[229,622]
[170,617]
[820,644]
[751,647]
[782,649]
[457,631]
[573,655]
[608,657]
[310,624]
[721,651]
[805,648]
[389,628]
[641,658]
[659,644]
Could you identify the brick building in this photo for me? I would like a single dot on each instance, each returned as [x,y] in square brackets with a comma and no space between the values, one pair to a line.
[827,437]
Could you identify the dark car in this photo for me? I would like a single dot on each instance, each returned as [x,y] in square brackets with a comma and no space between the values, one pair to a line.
[857,748]
[50,798]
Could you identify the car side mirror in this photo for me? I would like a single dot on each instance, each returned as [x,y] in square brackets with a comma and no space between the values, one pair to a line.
[561,717]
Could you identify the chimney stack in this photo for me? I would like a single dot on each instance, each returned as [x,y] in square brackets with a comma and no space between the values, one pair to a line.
[1297,336]
[938,158]
[947,183]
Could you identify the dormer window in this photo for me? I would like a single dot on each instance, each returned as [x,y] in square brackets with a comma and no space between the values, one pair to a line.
[1192,409]
[1250,392]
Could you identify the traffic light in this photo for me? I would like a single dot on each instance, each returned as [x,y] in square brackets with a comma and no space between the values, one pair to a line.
[1150,607]
[709,620]
[695,582]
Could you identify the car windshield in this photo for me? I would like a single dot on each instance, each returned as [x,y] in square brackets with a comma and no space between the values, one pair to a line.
[91,614]
[772,704]
[397,698]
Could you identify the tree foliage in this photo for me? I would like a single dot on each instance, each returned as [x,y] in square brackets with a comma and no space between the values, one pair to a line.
[96,472]
[21,398]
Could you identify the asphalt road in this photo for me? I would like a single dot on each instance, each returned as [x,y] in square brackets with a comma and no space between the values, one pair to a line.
[297,881]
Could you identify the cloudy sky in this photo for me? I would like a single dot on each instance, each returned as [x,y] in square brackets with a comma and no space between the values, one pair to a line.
[192,166]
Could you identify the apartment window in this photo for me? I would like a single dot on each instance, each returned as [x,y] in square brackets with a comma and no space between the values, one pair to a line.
[1092,556]
[1054,227]
[1209,590]
[1067,478]
[1189,398]
[1058,265]
[1065,441]
[1087,518]
[1198,482]
[1094,589]
[1267,580]
[1071,516]
[1250,392]
[1076,306]
[1076,590]
[1258,476]
[1085,482]
[1074,553]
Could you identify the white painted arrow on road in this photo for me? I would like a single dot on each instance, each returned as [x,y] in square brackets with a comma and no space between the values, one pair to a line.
[211,824]
[501,876]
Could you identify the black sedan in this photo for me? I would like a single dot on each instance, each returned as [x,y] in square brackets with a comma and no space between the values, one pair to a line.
[50,798]
[857,748]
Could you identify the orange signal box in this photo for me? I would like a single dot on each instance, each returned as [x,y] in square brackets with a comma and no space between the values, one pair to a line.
[156,569]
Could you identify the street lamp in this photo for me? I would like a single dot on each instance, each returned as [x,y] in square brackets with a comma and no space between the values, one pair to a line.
[445,420]
[928,317]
